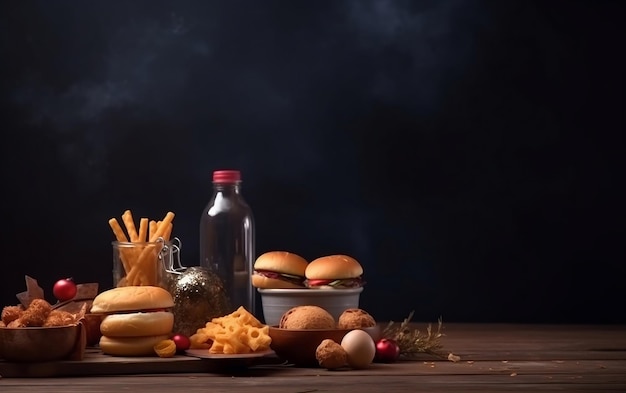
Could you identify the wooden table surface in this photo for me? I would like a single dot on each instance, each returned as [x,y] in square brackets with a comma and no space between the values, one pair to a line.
[494,358]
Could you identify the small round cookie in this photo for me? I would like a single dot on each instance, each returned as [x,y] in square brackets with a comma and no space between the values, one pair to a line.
[355,318]
[307,317]
[330,354]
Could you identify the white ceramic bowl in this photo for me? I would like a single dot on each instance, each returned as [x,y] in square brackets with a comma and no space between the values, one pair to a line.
[276,302]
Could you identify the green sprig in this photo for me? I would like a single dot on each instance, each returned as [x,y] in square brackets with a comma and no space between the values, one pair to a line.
[413,342]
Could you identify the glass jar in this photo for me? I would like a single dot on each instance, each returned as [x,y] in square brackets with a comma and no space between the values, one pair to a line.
[140,263]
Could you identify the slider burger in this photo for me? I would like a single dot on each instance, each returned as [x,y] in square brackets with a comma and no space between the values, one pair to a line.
[334,271]
[279,270]
[135,318]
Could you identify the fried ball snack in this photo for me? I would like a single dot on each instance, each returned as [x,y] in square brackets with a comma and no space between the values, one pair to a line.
[16,324]
[39,313]
[11,313]
[59,318]
[355,318]
[36,313]
[307,317]
[330,355]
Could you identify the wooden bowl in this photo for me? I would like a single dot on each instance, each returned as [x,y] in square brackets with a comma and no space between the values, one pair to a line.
[298,346]
[38,344]
[92,328]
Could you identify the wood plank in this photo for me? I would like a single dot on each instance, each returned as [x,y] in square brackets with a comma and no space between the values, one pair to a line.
[529,342]
[96,363]
[495,357]
[324,383]
[183,364]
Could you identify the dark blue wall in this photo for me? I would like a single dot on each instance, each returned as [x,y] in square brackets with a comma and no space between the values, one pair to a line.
[468,153]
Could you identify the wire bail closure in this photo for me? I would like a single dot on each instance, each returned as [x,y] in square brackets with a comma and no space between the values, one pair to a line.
[170,255]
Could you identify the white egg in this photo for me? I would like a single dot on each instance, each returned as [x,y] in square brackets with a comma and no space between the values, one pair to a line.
[360,348]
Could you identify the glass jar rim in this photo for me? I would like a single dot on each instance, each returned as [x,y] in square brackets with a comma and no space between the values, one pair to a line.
[134,244]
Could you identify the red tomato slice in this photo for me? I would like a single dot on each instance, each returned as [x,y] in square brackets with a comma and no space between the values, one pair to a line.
[319,282]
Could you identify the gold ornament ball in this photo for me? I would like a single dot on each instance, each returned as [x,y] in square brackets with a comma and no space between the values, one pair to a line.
[199,296]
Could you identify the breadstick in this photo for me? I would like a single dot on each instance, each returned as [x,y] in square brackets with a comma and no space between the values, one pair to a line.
[168,232]
[127,217]
[153,228]
[162,227]
[144,257]
[121,237]
[143,230]
[117,230]
[150,268]
[141,270]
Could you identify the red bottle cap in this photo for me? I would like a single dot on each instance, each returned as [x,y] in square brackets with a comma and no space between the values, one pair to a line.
[226,176]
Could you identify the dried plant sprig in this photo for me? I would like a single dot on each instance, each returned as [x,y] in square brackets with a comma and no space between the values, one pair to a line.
[412,342]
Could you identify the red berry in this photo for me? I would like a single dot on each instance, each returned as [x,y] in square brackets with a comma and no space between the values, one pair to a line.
[387,351]
[64,289]
[182,342]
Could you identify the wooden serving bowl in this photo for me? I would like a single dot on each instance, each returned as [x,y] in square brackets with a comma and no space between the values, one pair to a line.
[298,346]
[92,328]
[39,344]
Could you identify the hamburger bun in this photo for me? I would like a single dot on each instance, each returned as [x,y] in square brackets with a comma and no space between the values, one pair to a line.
[263,282]
[137,324]
[130,346]
[132,298]
[279,270]
[355,318]
[338,271]
[307,317]
[135,319]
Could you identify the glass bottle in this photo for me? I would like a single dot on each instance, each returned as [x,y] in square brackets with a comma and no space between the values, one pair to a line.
[227,239]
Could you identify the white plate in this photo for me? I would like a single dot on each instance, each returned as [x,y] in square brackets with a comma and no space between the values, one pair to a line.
[205,354]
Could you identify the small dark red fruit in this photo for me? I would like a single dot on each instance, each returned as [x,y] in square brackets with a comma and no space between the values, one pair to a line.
[387,351]
[64,289]
[182,342]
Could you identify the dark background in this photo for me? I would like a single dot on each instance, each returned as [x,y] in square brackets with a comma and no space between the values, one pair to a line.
[468,153]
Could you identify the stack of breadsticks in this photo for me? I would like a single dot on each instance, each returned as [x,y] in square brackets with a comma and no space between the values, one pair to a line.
[139,248]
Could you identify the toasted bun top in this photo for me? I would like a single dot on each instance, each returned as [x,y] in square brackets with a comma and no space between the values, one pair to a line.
[132,298]
[333,267]
[281,262]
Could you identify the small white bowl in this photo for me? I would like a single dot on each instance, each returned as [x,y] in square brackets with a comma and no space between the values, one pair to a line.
[278,301]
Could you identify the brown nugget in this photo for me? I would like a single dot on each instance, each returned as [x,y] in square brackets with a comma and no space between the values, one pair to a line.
[59,318]
[36,313]
[331,355]
[11,313]
[307,317]
[16,324]
[355,318]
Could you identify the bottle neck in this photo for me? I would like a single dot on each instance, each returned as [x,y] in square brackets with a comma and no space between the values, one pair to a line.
[227,188]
